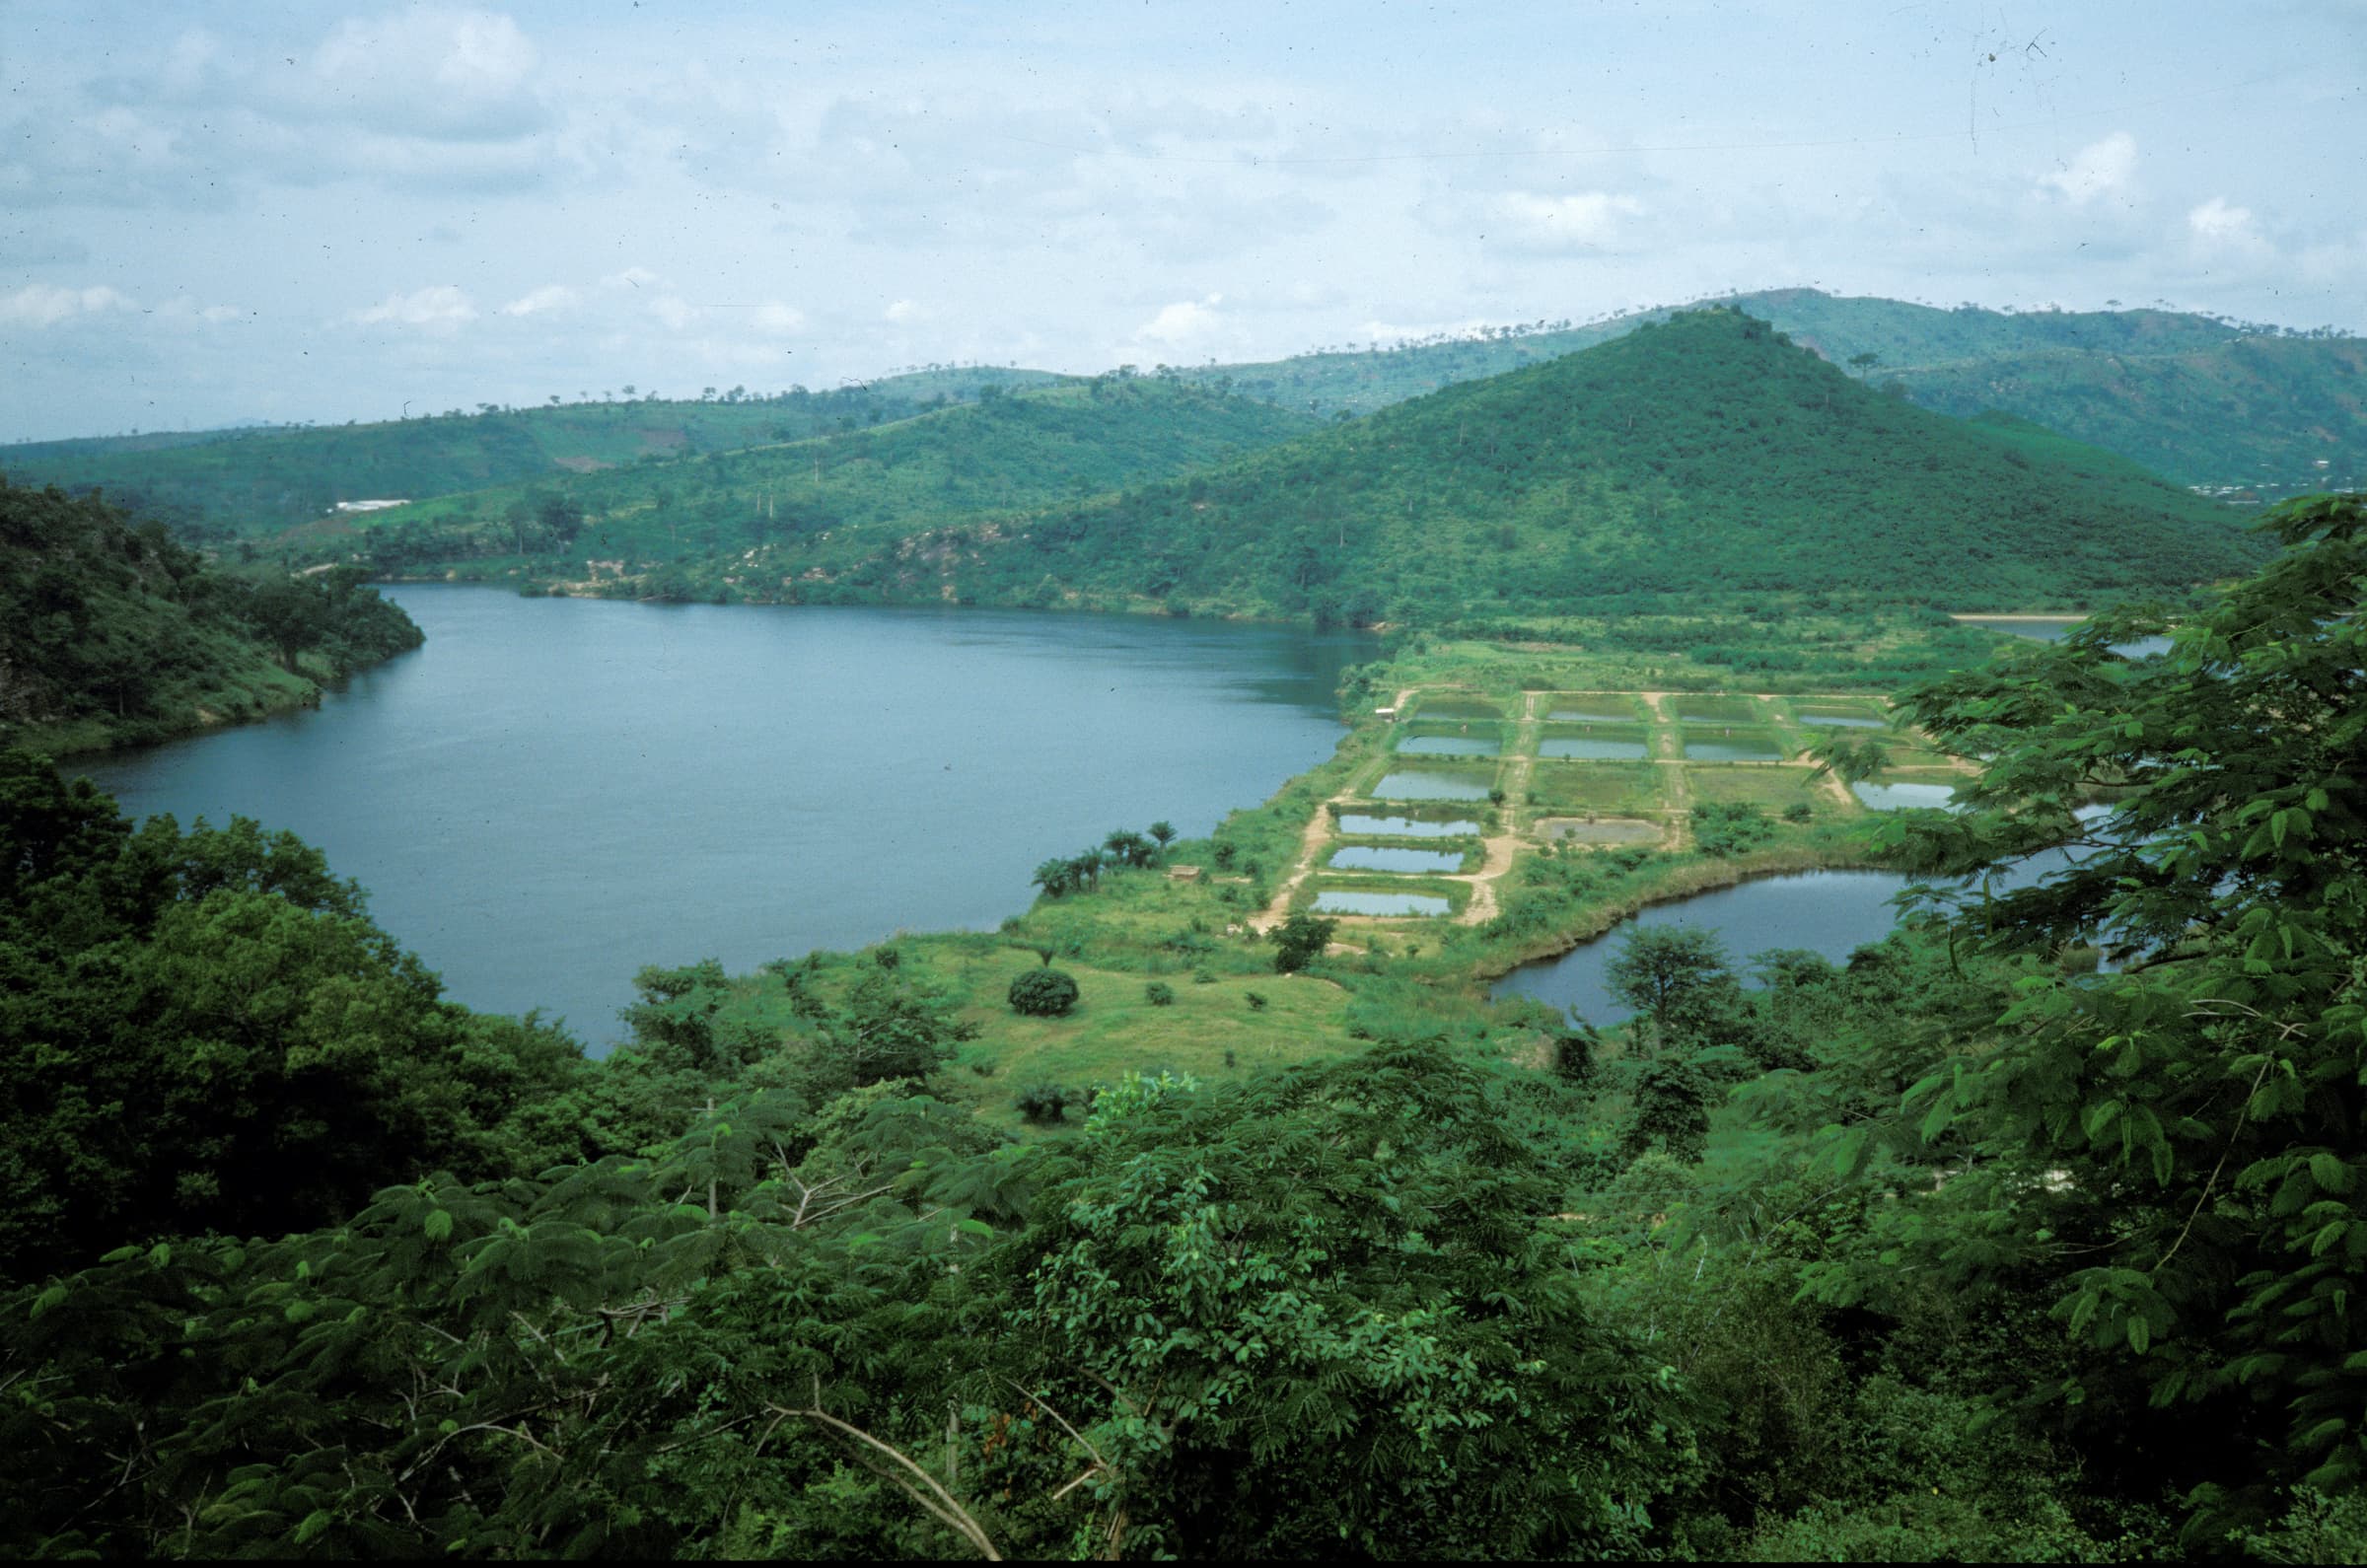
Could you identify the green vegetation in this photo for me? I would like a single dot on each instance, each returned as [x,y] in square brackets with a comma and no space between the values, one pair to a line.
[899,511]
[1243,1236]
[111,635]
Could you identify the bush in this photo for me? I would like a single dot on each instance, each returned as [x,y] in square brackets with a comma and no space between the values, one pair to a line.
[1043,1102]
[1159,994]
[1300,941]
[1256,1001]
[1798,811]
[1043,993]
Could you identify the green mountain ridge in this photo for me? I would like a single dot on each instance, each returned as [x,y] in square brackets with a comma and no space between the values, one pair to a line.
[216,483]
[2201,399]
[1702,456]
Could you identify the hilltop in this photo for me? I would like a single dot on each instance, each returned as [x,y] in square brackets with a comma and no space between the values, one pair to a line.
[2199,400]
[113,634]
[1704,456]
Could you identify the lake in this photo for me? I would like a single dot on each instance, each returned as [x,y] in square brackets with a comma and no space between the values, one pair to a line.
[555,792]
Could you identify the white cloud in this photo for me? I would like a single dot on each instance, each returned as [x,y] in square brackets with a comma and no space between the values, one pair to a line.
[1583,221]
[38,305]
[675,311]
[443,75]
[2217,221]
[1185,321]
[550,297]
[438,308]
[774,317]
[2100,169]
[902,310]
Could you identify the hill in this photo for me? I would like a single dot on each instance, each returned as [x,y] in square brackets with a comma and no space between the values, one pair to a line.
[111,635]
[213,485]
[1700,458]
[749,514]
[2201,401]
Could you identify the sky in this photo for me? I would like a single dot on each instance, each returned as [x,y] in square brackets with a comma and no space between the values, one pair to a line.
[213,214]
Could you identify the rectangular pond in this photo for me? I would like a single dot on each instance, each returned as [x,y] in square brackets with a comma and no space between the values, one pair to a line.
[1583,748]
[1604,710]
[1450,746]
[1341,901]
[1402,826]
[1896,796]
[1445,706]
[1369,857]
[1835,720]
[1733,749]
[1433,784]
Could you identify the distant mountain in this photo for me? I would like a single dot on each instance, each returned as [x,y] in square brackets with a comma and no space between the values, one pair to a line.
[1704,455]
[220,484]
[747,514]
[2198,399]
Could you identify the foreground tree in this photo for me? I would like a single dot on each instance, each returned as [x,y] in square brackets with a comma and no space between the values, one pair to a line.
[2170,1150]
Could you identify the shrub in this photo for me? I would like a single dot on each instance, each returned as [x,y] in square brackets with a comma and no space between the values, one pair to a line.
[1798,811]
[1159,994]
[1256,1001]
[1043,993]
[1043,1102]
[1300,941]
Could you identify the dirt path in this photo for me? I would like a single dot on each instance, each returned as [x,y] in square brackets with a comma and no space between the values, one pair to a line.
[1312,839]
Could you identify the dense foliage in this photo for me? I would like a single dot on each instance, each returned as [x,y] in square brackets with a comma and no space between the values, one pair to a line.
[111,631]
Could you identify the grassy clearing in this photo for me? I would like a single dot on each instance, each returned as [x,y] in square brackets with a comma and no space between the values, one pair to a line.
[1773,788]
[1209,1031]
[1616,788]
[1715,710]
[1868,712]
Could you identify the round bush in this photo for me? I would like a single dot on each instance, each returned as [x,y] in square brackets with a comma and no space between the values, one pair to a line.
[1159,994]
[1043,993]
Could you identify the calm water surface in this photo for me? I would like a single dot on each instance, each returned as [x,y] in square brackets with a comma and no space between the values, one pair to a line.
[1340,901]
[1402,826]
[1374,857]
[554,793]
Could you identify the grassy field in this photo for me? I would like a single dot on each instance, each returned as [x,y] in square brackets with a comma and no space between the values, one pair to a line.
[1772,788]
[1613,787]
[1715,710]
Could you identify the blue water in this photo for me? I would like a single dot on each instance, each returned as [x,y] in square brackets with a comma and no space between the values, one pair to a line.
[1731,751]
[1449,745]
[1832,913]
[1401,827]
[1337,901]
[554,792]
[1421,784]
[1835,721]
[1896,796]
[1600,750]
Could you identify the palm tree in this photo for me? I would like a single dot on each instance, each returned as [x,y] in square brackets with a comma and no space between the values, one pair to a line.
[1087,869]
[1055,877]
[1165,832]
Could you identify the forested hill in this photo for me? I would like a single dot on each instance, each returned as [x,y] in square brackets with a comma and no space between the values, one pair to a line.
[111,635]
[2201,401]
[222,483]
[1703,457]
[760,514]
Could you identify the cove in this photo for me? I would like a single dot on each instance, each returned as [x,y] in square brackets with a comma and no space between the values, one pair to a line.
[554,792]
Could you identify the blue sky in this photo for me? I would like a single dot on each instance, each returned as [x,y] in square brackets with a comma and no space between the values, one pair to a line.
[321,212]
